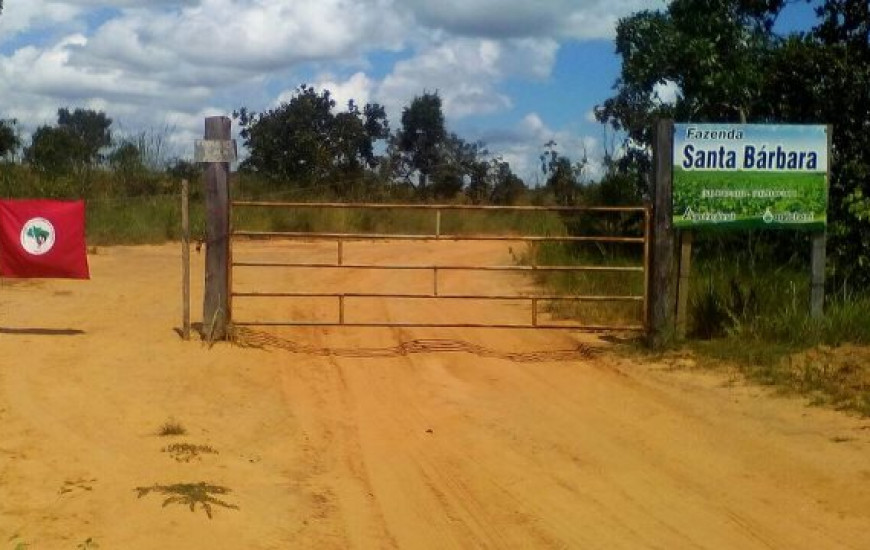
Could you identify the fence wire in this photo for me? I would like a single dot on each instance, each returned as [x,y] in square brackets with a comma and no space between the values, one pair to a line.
[249,338]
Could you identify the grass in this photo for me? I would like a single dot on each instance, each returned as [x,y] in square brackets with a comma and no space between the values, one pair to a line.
[139,220]
[171,428]
[818,358]
[748,309]
[592,283]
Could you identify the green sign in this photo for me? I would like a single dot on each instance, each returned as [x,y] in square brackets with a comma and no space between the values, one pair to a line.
[750,176]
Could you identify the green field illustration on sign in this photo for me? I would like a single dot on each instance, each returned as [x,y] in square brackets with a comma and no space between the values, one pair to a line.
[750,177]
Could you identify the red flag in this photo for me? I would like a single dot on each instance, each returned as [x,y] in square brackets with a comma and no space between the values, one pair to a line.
[43,238]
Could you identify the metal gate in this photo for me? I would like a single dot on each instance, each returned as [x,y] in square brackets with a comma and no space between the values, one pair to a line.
[436,234]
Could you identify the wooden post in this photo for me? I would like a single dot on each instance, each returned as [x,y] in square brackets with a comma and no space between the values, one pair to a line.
[817,265]
[216,313]
[683,285]
[661,282]
[817,295]
[185,260]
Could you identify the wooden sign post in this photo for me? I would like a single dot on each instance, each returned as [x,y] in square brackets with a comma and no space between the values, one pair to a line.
[185,260]
[661,274]
[217,152]
[743,177]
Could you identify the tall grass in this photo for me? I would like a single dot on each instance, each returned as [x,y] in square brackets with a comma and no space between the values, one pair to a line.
[599,284]
[140,220]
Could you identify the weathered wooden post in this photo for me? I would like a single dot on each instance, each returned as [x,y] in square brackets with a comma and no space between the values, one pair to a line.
[217,151]
[661,274]
[685,271]
[185,260]
[817,274]
[819,245]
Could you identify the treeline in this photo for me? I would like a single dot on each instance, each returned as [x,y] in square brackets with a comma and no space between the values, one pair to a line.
[80,157]
[305,144]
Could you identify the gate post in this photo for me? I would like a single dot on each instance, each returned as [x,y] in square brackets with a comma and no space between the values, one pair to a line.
[661,274]
[216,303]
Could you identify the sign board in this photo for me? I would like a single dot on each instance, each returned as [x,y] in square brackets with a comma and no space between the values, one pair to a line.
[750,176]
[214,150]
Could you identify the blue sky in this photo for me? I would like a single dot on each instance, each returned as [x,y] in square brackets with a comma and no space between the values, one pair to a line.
[514,73]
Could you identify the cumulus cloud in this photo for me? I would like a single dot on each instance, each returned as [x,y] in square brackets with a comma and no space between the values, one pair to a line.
[466,72]
[579,19]
[357,88]
[161,62]
[21,15]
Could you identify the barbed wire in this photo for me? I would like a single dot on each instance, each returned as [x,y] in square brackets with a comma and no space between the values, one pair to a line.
[249,338]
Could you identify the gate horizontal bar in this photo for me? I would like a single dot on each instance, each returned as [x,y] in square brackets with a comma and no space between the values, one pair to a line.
[400,237]
[540,298]
[381,206]
[638,269]
[435,325]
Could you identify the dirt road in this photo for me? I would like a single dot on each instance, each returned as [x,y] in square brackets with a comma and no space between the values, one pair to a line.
[430,450]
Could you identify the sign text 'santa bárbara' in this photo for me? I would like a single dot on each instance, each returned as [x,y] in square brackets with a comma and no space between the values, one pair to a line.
[750,176]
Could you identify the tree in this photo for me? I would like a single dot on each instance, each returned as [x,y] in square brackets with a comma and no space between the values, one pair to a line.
[507,188]
[90,128]
[304,142]
[564,177]
[459,164]
[422,136]
[713,51]
[729,66]
[9,139]
[53,151]
[73,145]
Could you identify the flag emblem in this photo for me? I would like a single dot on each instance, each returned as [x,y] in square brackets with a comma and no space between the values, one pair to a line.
[37,236]
[42,238]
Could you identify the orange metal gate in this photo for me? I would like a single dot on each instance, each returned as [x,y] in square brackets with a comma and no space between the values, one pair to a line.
[437,235]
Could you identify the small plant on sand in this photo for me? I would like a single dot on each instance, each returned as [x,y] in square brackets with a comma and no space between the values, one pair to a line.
[171,427]
[88,544]
[190,494]
[185,452]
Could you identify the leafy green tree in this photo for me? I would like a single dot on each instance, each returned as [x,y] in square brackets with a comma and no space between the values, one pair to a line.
[460,165]
[715,52]
[564,177]
[73,145]
[9,138]
[422,136]
[730,66]
[305,142]
[53,151]
[90,128]
[507,187]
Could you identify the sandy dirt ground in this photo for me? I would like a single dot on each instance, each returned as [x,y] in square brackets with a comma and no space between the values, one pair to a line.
[426,450]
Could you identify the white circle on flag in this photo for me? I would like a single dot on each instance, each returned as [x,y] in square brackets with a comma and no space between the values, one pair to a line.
[37,236]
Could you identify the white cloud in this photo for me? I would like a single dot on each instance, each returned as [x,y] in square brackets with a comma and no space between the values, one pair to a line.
[578,19]
[466,73]
[358,87]
[158,63]
[666,92]
[22,15]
